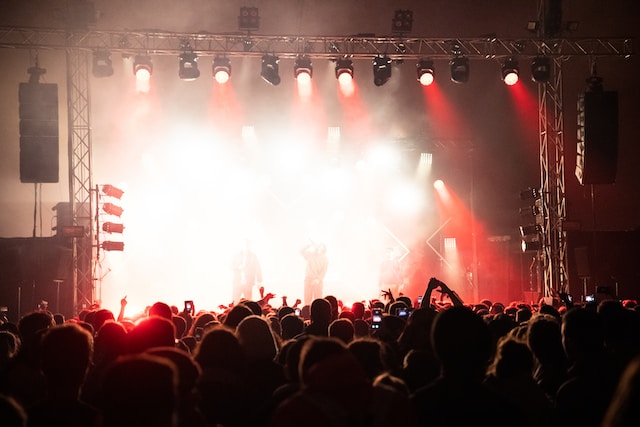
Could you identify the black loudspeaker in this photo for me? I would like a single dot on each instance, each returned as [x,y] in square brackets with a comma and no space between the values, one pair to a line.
[38,132]
[597,153]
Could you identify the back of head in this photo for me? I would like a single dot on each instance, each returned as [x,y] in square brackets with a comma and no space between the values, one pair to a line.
[101,317]
[187,369]
[151,332]
[236,314]
[582,332]
[545,340]
[321,311]
[513,359]
[291,326]
[342,329]
[110,342]
[326,364]
[358,310]
[66,354]
[370,353]
[256,338]
[139,391]
[219,348]
[31,324]
[334,306]
[161,309]
[462,343]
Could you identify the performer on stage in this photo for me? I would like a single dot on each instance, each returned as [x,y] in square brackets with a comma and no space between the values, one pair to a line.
[246,273]
[391,276]
[316,269]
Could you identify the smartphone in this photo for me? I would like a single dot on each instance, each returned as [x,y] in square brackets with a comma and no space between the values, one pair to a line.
[590,298]
[297,311]
[188,306]
[198,334]
[376,318]
[419,301]
[402,312]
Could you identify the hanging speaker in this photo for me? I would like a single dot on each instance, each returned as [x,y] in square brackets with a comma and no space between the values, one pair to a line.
[38,132]
[597,151]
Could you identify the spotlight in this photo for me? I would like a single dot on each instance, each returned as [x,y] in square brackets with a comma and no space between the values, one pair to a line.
[402,21]
[221,69]
[270,68]
[530,230]
[459,66]
[142,67]
[112,246]
[112,227]
[302,69]
[344,70]
[188,66]
[530,194]
[425,72]
[530,211]
[510,71]
[102,66]
[530,246]
[112,191]
[112,209]
[381,70]
[540,69]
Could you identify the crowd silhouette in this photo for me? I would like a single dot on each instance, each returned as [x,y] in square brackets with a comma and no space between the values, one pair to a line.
[255,363]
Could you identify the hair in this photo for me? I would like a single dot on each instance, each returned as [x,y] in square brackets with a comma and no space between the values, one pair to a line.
[257,339]
[66,353]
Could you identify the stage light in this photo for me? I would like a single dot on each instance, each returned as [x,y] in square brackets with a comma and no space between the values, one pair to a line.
[541,69]
[344,70]
[249,18]
[102,65]
[459,67]
[113,246]
[112,209]
[112,191]
[221,69]
[510,71]
[142,68]
[270,68]
[526,231]
[381,70]
[530,211]
[530,194]
[302,69]
[530,246]
[188,66]
[112,227]
[402,21]
[425,72]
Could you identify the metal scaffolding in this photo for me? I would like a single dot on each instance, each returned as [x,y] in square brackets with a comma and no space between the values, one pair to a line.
[81,43]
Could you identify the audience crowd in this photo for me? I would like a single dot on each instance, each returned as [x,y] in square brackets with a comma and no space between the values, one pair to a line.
[256,363]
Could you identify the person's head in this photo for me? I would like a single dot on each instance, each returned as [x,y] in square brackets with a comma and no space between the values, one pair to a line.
[462,343]
[321,311]
[66,354]
[257,339]
[220,349]
[545,340]
[370,354]
[582,333]
[291,326]
[342,329]
[151,332]
[328,366]
[512,360]
[101,317]
[161,309]
[110,342]
[236,314]
[357,308]
[140,391]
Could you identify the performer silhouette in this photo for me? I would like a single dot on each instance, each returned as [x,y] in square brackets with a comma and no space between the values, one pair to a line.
[247,273]
[317,263]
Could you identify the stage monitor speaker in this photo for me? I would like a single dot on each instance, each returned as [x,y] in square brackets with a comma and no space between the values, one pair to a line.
[39,148]
[597,152]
